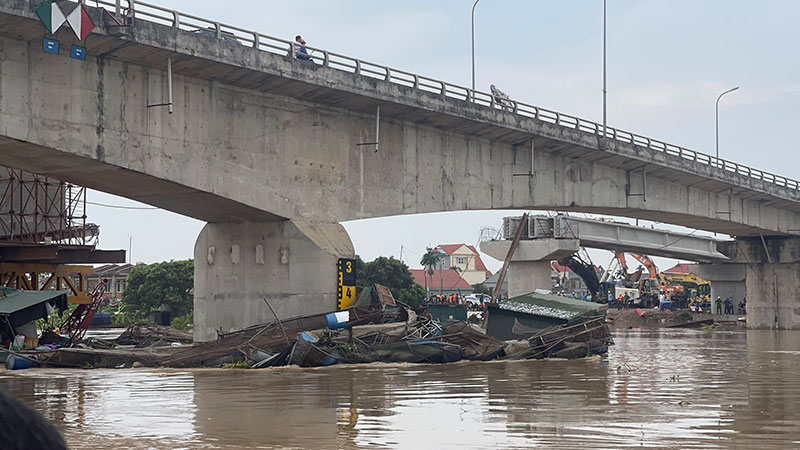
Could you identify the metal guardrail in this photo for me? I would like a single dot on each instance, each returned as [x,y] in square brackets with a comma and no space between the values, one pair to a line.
[284,47]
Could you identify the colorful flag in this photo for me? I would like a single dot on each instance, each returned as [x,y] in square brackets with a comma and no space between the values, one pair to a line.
[80,22]
[51,15]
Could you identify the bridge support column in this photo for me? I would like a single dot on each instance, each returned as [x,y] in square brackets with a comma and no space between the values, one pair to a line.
[727,280]
[530,265]
[290,263]
[772,280]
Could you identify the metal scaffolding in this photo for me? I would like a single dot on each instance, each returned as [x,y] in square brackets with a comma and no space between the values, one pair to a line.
[37,209]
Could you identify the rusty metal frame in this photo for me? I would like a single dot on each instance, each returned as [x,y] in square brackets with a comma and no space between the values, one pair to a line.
[34,208]
[41,277]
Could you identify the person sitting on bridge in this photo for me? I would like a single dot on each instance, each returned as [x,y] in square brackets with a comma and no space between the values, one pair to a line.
[301,51]
[501,99]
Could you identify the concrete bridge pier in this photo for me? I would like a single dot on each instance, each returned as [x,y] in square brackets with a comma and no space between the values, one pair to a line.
[727,280]
[290,263]
[772,279]
[529,268]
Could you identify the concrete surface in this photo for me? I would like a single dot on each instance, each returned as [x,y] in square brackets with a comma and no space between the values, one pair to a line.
[624,237]
[260,137]
[772,280]
[727,280]
[529,268]
[525,277]
[238,265]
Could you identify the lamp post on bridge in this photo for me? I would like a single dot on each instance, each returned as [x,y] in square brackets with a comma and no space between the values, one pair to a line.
[717,110]
[604,69]
[473,50]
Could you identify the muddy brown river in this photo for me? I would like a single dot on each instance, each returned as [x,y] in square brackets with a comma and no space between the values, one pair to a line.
[655,389]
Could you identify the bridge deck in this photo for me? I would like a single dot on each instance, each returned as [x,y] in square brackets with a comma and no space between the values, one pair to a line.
[261,63]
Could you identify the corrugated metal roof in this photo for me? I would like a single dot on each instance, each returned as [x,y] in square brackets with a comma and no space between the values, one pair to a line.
[548,305]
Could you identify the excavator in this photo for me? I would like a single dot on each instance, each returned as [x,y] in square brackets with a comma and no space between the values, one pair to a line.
[648,284]
[697,290]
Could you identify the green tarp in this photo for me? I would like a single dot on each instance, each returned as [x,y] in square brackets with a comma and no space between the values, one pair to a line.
[21,307]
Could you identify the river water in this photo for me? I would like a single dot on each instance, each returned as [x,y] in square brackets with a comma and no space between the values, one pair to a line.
[655,389]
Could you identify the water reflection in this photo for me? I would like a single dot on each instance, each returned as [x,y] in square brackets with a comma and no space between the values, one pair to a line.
[656,389]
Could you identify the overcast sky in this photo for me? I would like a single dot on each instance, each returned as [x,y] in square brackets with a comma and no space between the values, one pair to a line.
[667,63]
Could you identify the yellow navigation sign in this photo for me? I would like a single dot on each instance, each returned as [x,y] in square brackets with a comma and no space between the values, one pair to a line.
[347,282]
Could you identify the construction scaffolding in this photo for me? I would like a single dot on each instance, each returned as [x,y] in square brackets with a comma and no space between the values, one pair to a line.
[43,233]
[37,209]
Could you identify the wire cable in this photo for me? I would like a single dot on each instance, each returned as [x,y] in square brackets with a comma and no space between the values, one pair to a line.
[120,206]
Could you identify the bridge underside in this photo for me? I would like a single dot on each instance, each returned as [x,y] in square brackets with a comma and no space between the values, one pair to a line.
[616,236]
[258,137]
[131,184]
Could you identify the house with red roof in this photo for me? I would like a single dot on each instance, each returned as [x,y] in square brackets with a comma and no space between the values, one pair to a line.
[449,281]
[466,259]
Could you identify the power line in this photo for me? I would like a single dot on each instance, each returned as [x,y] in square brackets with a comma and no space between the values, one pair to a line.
[119,206]
[676,240]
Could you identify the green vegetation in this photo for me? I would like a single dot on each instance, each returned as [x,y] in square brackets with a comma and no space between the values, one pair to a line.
[149,287]
[429,261]
[183,322]
[393,274]
[54,320]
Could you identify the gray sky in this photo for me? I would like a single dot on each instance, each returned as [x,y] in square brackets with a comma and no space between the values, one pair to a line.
[667,63]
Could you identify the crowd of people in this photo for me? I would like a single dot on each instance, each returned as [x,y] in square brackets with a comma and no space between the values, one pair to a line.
[452,299]
[728,304]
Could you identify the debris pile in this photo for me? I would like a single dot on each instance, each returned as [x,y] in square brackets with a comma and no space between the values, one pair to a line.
[379,329]
[375,329]
[576,339]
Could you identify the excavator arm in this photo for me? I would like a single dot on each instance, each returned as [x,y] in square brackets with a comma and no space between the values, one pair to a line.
[647,263]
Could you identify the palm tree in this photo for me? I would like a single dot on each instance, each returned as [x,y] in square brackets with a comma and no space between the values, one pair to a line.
[429,261]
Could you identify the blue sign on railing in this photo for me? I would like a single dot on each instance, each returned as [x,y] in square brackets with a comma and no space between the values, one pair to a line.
[50,46]
[78,52]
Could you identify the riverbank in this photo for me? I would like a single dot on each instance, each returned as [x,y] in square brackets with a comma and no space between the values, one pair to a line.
[656,318]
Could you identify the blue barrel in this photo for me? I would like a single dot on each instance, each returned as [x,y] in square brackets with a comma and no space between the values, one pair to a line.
[14,362]
[337,320]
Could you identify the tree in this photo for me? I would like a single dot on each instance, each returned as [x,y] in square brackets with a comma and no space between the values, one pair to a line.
[429,261]
[393,274]
[167,283]
[481,288]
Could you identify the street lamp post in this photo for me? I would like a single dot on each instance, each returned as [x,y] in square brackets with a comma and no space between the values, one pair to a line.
[717,115]
[604,69]
[473,49]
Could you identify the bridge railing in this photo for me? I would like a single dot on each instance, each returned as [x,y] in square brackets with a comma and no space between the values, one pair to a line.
[444,89]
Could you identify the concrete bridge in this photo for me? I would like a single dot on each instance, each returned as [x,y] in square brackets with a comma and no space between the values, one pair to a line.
[226,126]
[549,238]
